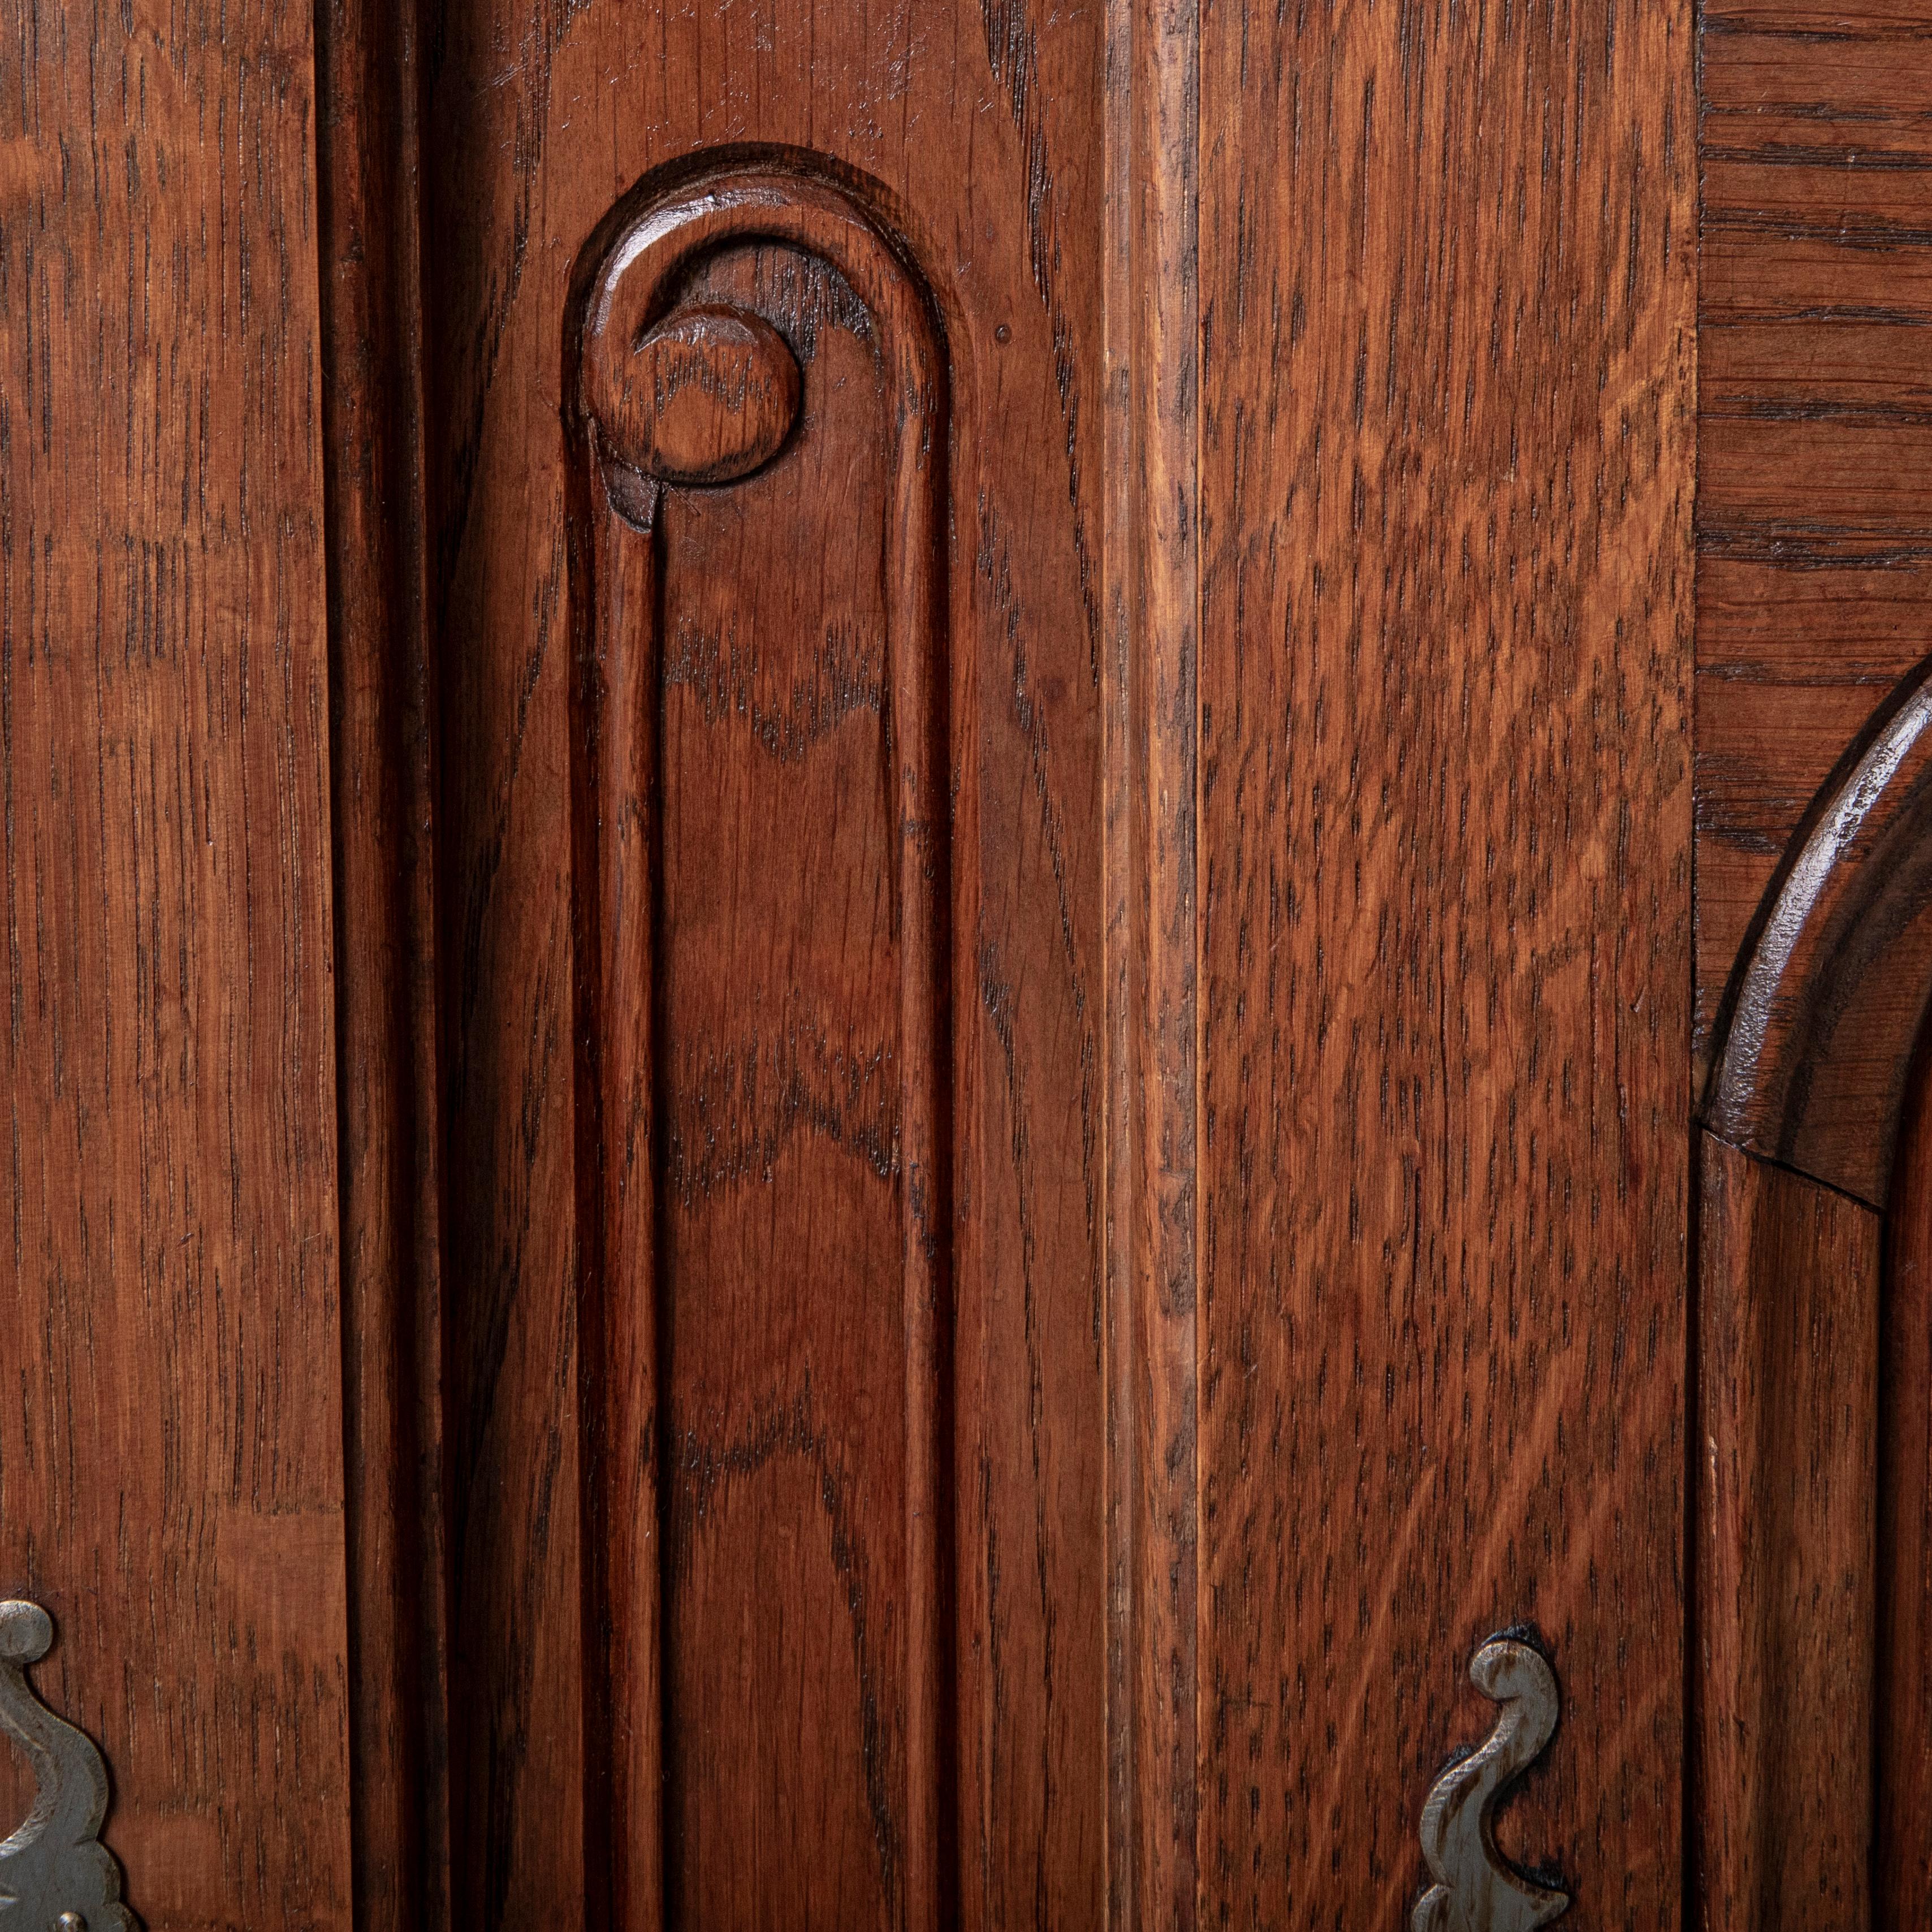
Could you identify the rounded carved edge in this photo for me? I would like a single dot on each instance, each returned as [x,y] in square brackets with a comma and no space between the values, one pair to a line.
[1829,998]
[709,396]
[625,308]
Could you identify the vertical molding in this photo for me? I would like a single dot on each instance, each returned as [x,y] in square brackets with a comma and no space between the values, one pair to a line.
[1152,978]
[655,1527]
[382,782]
[1789,1297]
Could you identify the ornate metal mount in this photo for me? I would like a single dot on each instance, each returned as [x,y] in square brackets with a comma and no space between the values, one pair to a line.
[1477,1889]
[56,1875]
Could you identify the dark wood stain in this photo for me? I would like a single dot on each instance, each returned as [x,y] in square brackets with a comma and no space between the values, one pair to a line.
[1902,1699]
[382,733]
[744,1193]
[990,149]
[1789,1329]
[1814,575]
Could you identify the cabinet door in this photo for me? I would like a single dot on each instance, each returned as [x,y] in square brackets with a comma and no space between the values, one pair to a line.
[925,1012]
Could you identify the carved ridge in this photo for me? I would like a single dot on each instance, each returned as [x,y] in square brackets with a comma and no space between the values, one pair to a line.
[1477,1889]
[1828,1000]
[636,347]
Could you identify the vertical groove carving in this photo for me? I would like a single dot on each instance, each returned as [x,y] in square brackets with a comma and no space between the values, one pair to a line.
[751,1112]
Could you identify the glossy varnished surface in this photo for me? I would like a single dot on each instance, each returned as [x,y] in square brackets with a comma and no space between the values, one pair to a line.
[1903,1864]
[381,752]
[1814,588]
[1825,1008]
[1151,677]
[999,938]
[1446,441]
[766,863]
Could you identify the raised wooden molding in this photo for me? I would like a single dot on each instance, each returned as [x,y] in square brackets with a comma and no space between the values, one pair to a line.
[1785,1554]
[1802,1123]
[676,390]
[1828,1002]
[1153,777]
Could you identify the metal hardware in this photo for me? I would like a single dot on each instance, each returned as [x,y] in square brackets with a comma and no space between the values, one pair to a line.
[1477,1889]
[55,1865]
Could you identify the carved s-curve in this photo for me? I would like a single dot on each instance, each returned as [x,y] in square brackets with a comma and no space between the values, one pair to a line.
[55,1873]
[1477,1889]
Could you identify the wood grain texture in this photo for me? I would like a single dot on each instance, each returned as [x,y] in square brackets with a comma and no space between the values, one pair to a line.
[381,721]
[1815,581]
[1902,1852]
[1815,543]
[766,866]
[1828,1005]
[1789,1323]
[717,396]
[171,1450]
[1446,277]
[983,126]
[1151,809]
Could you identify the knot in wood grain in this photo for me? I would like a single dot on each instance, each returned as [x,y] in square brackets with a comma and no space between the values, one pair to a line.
[708,396]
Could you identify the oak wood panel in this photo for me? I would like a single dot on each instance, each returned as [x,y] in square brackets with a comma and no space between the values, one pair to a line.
[984,127]
[1811,1396]
[1794,664]
[1446,324]
[1801,80]
[769,1023]
[1811,609]
[1789,1325]
[171,1452]
[1874,493]
[1815,539]
[1902,1851]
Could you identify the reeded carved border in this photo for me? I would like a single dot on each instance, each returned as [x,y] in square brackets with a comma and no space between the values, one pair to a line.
[1799,1134]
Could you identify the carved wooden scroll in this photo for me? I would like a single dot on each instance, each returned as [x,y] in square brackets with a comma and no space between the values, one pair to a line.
[1829,1000]
[1477,1889]
[765,882]
[1801,1129]
[56,1875]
